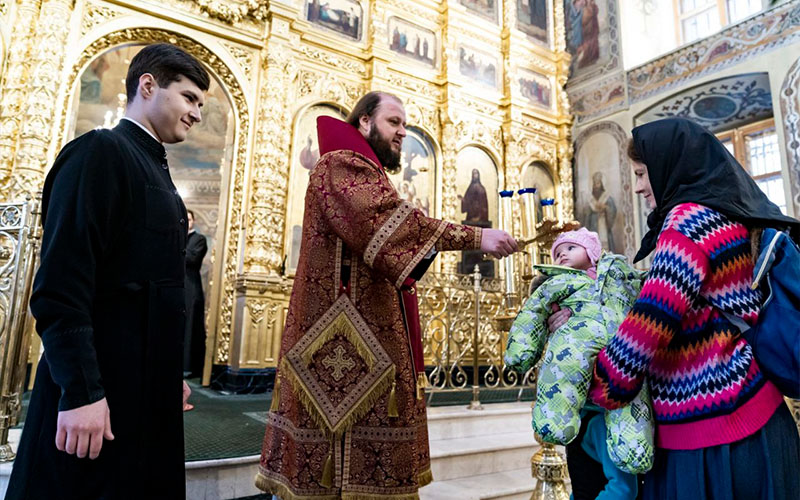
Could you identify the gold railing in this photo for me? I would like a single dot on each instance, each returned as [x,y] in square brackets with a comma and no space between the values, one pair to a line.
[447,304]
[19,241]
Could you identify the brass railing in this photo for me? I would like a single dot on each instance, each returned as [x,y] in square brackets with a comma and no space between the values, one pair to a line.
[447,304]
[19,237]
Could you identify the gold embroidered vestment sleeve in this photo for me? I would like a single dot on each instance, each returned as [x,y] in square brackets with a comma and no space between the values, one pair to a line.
[363,208]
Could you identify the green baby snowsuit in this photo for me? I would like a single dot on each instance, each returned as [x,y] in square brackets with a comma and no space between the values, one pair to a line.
[598,307]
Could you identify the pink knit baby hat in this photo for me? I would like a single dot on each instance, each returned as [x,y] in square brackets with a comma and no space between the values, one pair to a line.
[583,237]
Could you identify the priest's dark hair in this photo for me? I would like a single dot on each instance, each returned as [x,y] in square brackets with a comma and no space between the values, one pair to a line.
[167,63]
[367,106]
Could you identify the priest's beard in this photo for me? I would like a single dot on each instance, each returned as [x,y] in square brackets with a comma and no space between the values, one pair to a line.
[383,150]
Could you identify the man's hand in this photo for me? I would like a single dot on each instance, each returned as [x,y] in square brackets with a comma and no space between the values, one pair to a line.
[82,430]
[558,318]
[498,243]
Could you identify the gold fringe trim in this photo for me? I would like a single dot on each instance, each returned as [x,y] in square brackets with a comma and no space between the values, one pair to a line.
[358,410]
[373,496]
[327,472]
[393,401]
[425,478]
[341,325]
[284,492]
[276,394]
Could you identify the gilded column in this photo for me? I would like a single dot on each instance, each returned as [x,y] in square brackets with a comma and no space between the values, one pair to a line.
[263,253]
[564,148]
[15,89]
[36,130]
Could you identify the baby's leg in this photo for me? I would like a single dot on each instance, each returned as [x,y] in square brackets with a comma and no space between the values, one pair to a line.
[564,378]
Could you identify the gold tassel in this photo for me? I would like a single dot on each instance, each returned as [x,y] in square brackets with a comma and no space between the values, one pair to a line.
[393,401]
[276,394]
[327,470]
[422,383]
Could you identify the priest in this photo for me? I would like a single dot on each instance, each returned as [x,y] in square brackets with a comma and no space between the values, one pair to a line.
[348,418]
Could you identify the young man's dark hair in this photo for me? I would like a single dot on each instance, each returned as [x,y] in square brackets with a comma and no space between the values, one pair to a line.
[367,106]
[167,63]
[190,212]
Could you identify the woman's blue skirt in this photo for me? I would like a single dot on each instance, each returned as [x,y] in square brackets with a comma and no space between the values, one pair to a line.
[763,466]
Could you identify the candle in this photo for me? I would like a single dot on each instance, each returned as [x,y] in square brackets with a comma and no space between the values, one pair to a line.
[527,199]
[548,208]
[505,217]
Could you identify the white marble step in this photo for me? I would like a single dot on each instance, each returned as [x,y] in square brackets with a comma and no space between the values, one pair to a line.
[506,485]
[472,456]
[450,422]
[222,479]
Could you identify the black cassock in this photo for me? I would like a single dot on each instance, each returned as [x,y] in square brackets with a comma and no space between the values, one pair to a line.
[109,305]
[194,349]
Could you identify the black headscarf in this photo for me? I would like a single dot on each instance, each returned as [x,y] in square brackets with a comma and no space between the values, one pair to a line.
[687,164]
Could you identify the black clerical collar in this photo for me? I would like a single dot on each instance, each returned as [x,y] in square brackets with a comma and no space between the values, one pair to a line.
[145,140]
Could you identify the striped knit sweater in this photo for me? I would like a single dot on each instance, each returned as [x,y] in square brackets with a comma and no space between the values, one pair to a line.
[706,387]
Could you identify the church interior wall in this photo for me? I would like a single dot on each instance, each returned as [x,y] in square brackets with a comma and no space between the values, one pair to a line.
[776,61]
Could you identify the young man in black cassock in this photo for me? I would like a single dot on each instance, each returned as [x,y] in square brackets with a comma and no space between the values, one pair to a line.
[105,419]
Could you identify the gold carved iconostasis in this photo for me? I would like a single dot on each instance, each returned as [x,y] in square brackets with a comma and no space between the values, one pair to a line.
[482,82]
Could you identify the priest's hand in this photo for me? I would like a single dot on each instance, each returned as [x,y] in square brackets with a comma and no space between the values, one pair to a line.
[498,243]
[82,429]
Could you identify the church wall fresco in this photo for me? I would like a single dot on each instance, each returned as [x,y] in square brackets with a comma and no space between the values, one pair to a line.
[533,19]
[484,8]
[604,197]
[304,156]
[410,40]
[592,33]
[345,17]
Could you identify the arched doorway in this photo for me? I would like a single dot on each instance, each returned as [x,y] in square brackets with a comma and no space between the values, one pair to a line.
[201,166]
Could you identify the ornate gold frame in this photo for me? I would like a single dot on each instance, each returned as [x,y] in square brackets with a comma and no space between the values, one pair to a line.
[219,316]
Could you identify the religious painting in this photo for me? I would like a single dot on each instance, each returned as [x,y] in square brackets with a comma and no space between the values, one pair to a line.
[537,175]
[412,41]
[598,190]
[304,156]
[590,40]
[196,164]
[416,180]
[533,19]
[477,191]
[484,8]
[537,88]
[478,66]
[342,16]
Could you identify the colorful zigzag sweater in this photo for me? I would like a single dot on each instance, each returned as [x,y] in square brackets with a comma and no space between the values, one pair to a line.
[706,387]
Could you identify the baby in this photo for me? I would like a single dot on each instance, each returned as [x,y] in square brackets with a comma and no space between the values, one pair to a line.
[599,289]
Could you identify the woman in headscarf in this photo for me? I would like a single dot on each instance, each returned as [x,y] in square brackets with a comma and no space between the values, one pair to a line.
[723,430]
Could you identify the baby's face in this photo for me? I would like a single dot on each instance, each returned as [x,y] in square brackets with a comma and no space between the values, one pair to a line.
[572,255]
